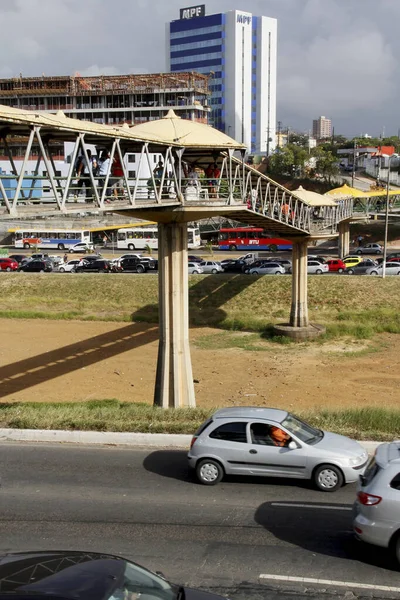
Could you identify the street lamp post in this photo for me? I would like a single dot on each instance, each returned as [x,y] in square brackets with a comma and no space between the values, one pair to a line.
[386,220]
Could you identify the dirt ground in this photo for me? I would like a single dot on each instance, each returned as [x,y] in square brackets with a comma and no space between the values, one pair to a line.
[74,361]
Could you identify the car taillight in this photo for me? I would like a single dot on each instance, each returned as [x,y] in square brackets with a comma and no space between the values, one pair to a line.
[368,499]
[194,438]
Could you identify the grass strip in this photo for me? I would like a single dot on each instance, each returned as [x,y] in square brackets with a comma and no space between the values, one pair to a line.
[367,423]
[358,307]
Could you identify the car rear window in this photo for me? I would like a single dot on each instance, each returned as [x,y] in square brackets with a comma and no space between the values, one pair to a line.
[395,483]
[370,472]
[203,427]
[232,432]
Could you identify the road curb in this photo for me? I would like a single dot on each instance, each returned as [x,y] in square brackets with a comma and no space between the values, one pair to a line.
[147,440]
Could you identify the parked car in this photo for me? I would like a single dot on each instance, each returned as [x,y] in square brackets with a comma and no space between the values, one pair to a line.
[336,265]
[314,267]
[194,268]
[70,266]
[362,267]
[82,247]
[55,574]
[39,256]
[235,266]
[18,257]
[320,259]
[286,264]
[226,261]
[132,265]
[377,507]
[55,259]
[268,268]
[370,249]
[195,259]
[36,266]
[351,261]
[256,263]
[94,266]
[8,264]
[268,442]
[392,268]
[152,263]
[393,255]
[211,266]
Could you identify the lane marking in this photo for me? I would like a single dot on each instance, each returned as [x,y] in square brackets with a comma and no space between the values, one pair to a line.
[347,584]
[324,506]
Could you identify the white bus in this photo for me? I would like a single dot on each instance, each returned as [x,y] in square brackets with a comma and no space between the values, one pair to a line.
[62,239]
[139,238]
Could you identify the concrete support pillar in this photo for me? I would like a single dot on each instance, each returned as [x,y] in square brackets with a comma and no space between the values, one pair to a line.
[174,380]
[344,239]
[299,309]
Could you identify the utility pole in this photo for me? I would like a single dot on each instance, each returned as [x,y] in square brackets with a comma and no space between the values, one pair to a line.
[386,220]
[267,141]
[287,135]
[354,164]
[279,133]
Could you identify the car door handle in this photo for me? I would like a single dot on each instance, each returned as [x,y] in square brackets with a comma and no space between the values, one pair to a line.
[253,451]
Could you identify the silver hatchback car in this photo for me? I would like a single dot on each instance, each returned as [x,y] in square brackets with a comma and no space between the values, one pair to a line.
[377,508]
[274,443]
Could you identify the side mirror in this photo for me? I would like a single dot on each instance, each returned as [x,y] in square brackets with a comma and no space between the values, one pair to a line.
[292,445]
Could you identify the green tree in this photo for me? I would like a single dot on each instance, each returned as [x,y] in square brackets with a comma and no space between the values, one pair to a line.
[326,163]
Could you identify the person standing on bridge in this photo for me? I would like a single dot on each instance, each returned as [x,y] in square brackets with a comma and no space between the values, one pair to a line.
[104,164]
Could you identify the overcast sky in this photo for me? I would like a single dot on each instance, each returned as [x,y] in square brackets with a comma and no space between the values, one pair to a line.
[336,58]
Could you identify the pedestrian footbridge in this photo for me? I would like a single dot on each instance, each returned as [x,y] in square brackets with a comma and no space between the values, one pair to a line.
[172,172]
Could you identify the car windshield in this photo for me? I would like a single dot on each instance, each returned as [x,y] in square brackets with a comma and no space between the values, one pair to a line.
[137,581]
[302,430]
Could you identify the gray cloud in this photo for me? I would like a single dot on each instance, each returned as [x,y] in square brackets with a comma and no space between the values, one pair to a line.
[336,57]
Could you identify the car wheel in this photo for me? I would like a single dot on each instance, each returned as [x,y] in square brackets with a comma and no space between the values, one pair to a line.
[8,269]
[41,271]
[131,246]
[61,246]
[209,471]
[62,270]
[395,546]
[214,271]
[278,273]
[233,247]
[195,272]
[340,270]
[374,273]
[70,251]
[318,272]
[140,269]
[350,272]
[359,252]
[254,273]
[328,478]
[26,246]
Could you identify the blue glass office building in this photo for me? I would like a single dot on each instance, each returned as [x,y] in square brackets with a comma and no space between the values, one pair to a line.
[238,51]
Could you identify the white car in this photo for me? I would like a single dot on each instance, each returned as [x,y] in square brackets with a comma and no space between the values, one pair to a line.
[210,266]
[69,267]
[194,268]
[268,268]
[82,247]
[314,267]
[392,268]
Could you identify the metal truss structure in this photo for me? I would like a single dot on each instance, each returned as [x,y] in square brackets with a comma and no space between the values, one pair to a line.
[254,198]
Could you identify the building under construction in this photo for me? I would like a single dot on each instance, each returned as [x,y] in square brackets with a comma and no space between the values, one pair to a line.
[114,99]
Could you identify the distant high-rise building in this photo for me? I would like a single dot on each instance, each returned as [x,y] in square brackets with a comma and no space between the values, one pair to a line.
[322,128]
[239,51]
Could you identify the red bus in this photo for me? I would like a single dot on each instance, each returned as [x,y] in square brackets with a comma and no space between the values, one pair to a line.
[250,238]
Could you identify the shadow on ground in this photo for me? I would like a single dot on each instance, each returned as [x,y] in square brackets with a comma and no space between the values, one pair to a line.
[320,531]
[207,295]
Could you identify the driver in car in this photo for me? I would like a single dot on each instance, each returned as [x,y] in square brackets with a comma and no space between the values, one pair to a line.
[279,437]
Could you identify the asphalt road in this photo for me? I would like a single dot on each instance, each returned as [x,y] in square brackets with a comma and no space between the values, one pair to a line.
[146,506]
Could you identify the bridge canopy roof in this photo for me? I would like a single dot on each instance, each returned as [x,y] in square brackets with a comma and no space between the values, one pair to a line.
[312,198]
[175,131]
[19,122]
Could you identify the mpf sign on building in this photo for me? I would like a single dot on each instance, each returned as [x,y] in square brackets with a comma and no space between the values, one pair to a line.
[193,11]
[243,19]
